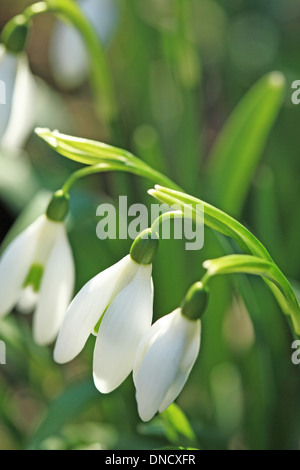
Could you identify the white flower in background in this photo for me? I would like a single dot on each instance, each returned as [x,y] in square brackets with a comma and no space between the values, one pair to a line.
[121,299]
[71,70]
[163,362]
[37,272]
[17,113]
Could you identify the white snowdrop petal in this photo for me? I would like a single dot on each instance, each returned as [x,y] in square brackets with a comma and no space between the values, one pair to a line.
[125,276]
[188,360]
[164,361]
[193,336]
[27,300]
[15,264]
[47,237]
[125,322]
[174,390]
[157,329]
[56,290]
[22,113]
[158,369]
[85,311]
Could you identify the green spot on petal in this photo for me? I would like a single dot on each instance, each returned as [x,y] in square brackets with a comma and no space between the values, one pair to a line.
[34,277]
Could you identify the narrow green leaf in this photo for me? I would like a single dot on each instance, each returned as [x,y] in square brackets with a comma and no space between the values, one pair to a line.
[177,420]
[239,146]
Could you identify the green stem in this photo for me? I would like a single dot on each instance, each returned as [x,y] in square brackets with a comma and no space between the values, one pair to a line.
[165,216]
[275,279]
[205,279]
[100,77]
[128,167]
[223,223]
[214,218]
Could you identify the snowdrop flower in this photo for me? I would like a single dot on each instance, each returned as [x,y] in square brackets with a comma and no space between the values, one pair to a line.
[18,91]
[167,353]
[116,305]
[67,71]
[37,272]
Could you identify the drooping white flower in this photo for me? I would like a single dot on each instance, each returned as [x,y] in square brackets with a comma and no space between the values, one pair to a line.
[70,73]
[37,272]
[18,91]
[163,362]
[121,299]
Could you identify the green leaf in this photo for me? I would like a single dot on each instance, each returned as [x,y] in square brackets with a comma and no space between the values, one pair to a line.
[239,146]
[178,422]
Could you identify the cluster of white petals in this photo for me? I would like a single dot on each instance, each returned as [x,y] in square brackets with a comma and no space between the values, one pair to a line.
[122,298]
[116,306]
[45,245]
[161,356]
[37,272]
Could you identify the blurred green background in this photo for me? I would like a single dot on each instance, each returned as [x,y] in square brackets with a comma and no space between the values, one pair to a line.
[179,69]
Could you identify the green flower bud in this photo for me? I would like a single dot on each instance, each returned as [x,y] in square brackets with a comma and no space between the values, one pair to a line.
[15,33]
[58,207]
[195,302]
[144,247]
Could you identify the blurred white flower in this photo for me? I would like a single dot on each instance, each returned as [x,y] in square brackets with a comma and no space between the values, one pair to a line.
[18,112]
[70,68]
[37,272]
[163,362]
[121,299]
